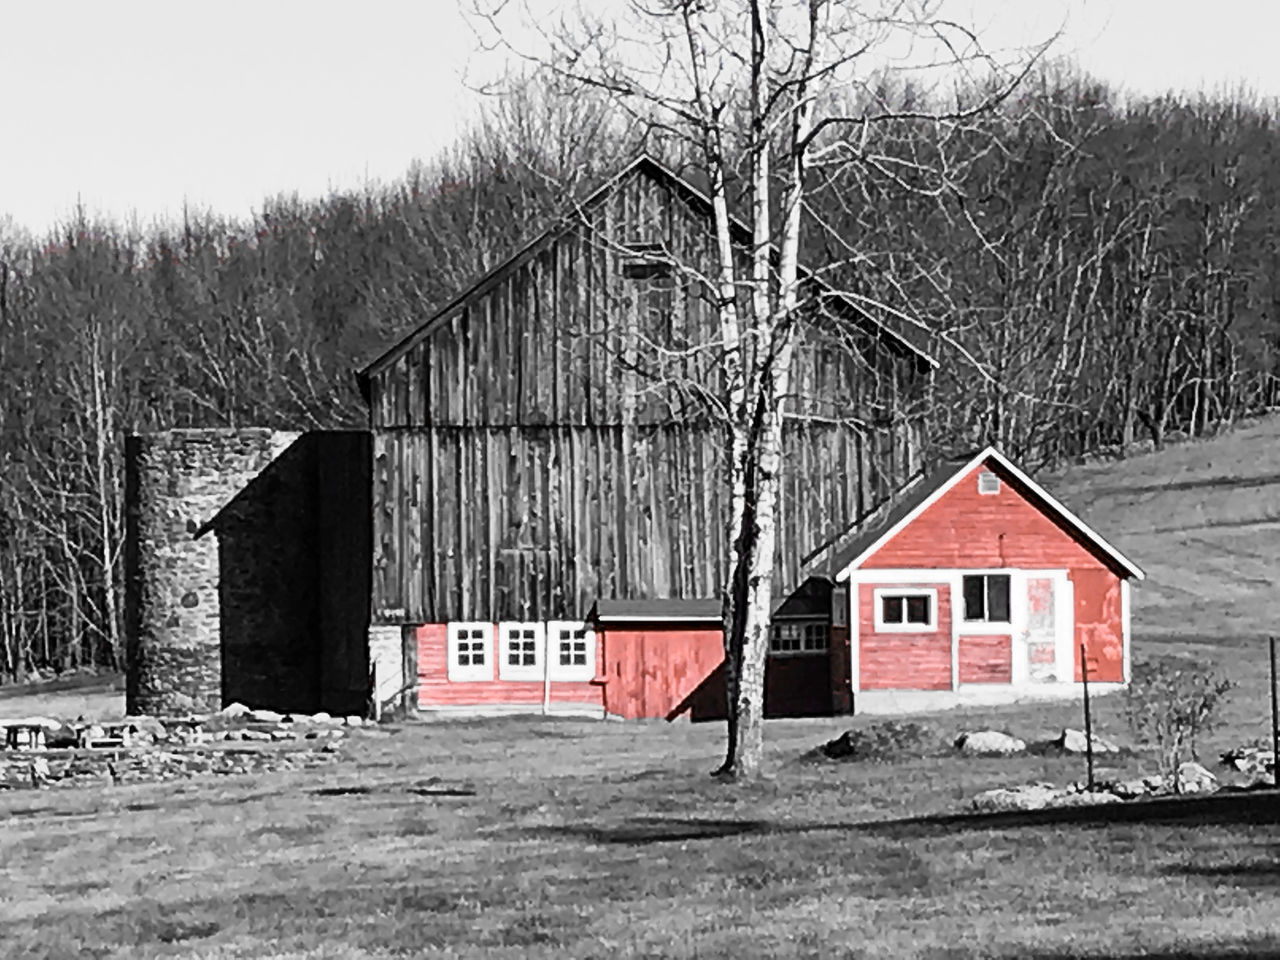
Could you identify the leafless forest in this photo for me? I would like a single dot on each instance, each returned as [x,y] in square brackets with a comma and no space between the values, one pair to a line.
[1096,273]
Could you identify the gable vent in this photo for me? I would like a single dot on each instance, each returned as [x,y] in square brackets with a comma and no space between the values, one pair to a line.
[646,261]
[988,482]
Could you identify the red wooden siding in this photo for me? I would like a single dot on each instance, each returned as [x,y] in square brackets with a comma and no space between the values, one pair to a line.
[965,529]
[986,659]
[904,661]
[656,670]
[435,689]
[1098,624]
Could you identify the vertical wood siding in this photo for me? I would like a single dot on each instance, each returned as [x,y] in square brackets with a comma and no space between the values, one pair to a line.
[904,661]
[531,456]
[537,524]
[655,671]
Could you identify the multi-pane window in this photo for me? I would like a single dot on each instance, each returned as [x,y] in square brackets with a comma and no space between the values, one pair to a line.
[572,650]
[522,651]
[470,651]
[796,637]
[986,597]
[905,610]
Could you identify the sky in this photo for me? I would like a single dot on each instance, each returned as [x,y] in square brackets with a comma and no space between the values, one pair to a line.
[133,107]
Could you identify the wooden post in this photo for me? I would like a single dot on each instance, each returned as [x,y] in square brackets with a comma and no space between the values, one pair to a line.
[1275,722]
[1088,720]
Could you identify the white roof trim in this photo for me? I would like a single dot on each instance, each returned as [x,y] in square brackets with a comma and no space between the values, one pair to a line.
[1053,503]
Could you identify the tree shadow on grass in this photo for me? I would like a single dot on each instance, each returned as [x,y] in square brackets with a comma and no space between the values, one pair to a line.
[1252,807]
[1249,873]
[1257,948]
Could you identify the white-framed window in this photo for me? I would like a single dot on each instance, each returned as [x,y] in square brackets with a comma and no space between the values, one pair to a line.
[988,482]
[905,609]
[571,647]
[791,638]
[521,649]
[470,651]
[986,597]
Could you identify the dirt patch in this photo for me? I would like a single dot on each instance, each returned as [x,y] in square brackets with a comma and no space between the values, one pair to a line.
[883,742]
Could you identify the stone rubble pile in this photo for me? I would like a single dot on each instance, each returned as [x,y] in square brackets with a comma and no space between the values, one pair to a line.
[79,768]
[1191,778]
[173,748]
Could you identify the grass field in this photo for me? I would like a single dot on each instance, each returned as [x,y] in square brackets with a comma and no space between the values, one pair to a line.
[559,838]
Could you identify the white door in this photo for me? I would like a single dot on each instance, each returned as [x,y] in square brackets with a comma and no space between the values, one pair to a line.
[1040,640]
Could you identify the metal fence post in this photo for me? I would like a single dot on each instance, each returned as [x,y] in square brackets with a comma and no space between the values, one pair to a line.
[1088,720]
[1275,722]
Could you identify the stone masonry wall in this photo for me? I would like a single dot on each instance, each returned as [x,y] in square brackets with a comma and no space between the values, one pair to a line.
[176,483]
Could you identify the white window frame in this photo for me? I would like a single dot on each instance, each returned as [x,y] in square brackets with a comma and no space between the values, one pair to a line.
[470,673]
[878,594]
[570,672]
[509,671]
[806,649]
[1016,586]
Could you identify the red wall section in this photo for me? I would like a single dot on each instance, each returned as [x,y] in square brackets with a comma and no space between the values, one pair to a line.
[903,661]
[986,659]
[1099,625]
[435,689]
[965,529]
[653,670]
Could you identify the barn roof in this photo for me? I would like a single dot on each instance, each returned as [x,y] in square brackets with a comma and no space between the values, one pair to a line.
[648,166]
[918,496]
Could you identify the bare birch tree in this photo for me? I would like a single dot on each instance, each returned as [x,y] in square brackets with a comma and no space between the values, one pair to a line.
[751,92]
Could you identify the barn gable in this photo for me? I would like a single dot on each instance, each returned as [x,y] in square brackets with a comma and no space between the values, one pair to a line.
[532,455]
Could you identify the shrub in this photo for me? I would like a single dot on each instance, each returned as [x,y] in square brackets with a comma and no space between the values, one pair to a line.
[1169,703]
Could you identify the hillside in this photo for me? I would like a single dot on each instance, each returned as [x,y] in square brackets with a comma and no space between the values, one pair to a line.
[1202,520]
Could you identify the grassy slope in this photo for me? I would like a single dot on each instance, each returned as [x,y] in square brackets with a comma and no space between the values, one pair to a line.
[594,840]
[1203,521]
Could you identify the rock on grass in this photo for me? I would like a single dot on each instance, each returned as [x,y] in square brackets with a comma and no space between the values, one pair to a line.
[989,743]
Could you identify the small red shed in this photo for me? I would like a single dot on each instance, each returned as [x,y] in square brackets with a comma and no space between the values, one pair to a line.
[979,580]
[635,659]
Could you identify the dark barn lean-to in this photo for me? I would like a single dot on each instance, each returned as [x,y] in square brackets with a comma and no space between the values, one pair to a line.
[544,445]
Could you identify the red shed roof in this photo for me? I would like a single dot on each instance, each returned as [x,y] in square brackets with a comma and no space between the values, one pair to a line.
[927,490]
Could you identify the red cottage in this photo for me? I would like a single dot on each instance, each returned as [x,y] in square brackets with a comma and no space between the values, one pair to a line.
[981,583]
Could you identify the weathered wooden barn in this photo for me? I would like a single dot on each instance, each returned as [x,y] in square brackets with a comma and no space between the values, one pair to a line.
[977,580]
[548,494]
[535,520]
